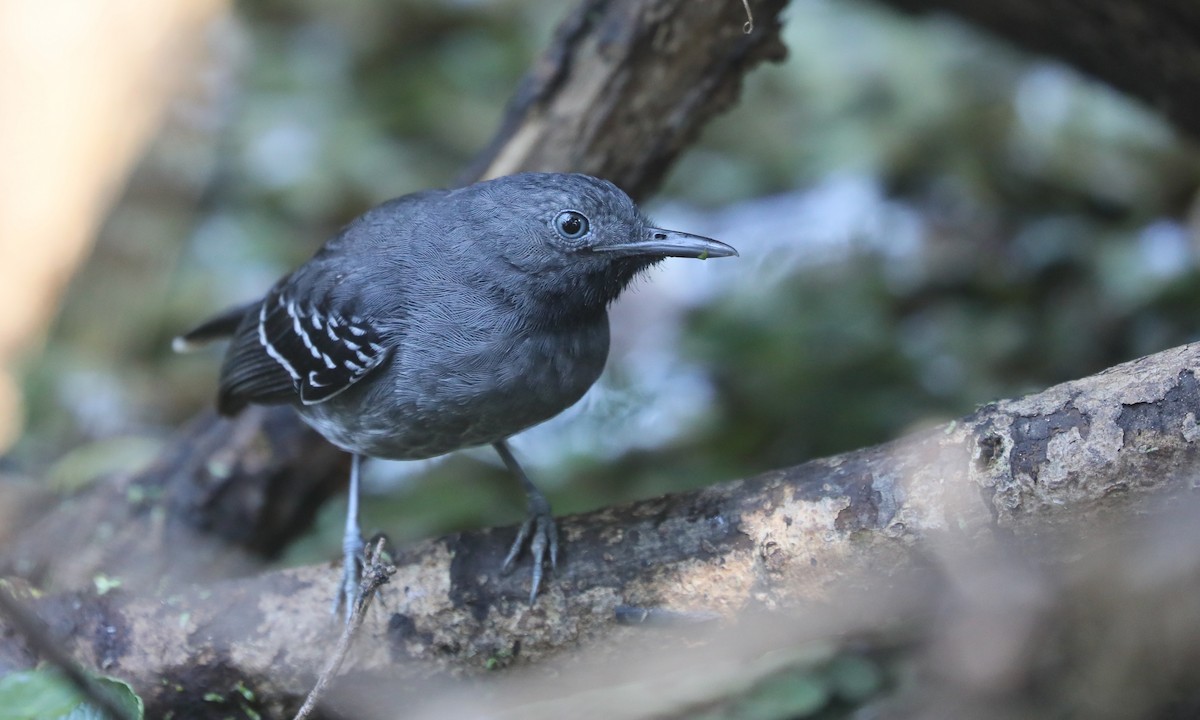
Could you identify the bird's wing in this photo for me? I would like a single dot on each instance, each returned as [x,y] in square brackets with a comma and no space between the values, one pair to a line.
[324,350]
[290,348]
[318,331]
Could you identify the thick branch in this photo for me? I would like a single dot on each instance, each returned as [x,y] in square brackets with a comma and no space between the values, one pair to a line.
[626,85]
[1117,442]
[221,495]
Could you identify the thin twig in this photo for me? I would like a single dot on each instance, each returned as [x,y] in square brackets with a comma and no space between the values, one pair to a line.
[376,572]
[34,631]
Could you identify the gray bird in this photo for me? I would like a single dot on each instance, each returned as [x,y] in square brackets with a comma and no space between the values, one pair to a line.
[443,320]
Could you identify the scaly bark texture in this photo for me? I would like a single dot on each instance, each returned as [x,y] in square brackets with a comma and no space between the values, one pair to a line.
[221,496]
[627,84]
[1120,442]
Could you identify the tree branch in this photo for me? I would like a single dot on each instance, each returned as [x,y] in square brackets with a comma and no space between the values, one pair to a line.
[221,496]
[626,85]
[1119,442]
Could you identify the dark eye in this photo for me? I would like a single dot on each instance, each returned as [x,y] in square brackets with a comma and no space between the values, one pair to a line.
[571,225]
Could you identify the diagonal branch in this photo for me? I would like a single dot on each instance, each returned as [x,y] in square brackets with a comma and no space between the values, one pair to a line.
[1117,443]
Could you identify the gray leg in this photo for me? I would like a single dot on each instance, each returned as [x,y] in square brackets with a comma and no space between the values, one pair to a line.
[538,528]
[352,548]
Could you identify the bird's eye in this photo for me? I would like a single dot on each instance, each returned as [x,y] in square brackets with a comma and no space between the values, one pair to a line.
[571,225]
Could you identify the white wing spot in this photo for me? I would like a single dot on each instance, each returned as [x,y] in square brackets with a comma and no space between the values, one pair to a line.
[266,344]
[308,343]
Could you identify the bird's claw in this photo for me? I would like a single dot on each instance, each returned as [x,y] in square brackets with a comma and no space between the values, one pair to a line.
[542,535]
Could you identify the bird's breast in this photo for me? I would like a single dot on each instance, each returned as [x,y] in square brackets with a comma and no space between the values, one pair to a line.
[462,388]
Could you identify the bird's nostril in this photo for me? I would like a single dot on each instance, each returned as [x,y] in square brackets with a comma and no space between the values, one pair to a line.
[660,236]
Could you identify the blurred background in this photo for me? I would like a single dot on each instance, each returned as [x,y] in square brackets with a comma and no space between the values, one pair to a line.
[928,220]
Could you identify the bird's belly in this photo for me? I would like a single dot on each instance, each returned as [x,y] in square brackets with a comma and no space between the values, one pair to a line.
[442,402]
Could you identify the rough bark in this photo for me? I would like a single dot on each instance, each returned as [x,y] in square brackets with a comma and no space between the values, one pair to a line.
[1149,49]
[222,496]
[1118,443]
[625,85]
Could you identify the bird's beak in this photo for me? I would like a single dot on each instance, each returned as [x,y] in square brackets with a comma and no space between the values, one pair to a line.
[670,243]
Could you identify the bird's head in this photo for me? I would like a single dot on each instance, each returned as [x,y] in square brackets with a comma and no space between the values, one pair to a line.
[578,240]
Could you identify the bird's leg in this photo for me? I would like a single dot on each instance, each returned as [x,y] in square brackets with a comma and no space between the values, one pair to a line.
[538,528]
[352,547]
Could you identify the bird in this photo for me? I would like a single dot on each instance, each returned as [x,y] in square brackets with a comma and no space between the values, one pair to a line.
[443,320]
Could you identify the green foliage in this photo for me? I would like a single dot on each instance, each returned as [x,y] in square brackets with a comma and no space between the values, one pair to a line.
[806,687]
[44,695]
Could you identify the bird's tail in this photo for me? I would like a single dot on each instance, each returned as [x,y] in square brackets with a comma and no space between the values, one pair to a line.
[215,328]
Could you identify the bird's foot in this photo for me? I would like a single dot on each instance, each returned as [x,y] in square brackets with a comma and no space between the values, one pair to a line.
[541,533]
[347,595]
